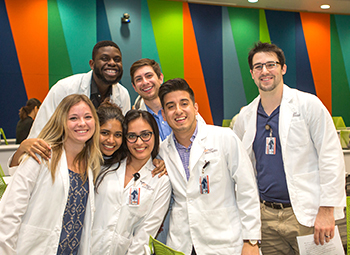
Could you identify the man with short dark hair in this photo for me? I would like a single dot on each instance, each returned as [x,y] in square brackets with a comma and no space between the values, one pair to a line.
[100,83]
[216,206]
[292,142]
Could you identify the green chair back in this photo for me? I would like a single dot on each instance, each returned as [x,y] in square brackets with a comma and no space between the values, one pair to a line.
[2,133]
[339,123]
[226,122]
[3,184]
[158,248]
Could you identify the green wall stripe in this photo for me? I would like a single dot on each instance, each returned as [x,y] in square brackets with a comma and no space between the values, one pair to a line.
[264,30]
[59,63]
[79,27]
[245,30]
[167,22]
[149,47]
[340,86]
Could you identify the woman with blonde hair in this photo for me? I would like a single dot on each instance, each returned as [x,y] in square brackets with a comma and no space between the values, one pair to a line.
[48,208]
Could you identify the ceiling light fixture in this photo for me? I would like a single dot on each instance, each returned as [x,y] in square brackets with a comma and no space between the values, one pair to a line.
[253,1]
[325,6]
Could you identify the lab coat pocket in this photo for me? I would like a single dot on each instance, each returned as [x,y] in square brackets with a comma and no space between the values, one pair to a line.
[223,231]
[121,245]
[34,240]
[298,134]
[307,191]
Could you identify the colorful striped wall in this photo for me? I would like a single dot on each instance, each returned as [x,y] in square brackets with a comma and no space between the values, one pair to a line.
[43,41]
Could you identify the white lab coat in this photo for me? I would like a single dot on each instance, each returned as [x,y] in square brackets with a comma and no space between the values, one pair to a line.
[75,84]
[214,223]
[122,229]
[32,208]
[312,156]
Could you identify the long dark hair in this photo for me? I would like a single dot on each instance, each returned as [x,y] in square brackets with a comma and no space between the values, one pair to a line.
[109,111]
[28,108]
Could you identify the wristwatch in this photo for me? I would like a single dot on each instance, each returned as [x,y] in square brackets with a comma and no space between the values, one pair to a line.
[252,242]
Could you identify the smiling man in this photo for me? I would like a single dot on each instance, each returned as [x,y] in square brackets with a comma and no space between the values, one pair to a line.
[100,83]
[146,78]
[216,205]
[292,142]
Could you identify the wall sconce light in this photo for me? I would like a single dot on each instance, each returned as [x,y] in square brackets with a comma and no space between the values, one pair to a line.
[126,18]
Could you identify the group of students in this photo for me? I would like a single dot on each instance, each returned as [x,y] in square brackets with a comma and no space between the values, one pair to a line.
[84,188]
[55,208]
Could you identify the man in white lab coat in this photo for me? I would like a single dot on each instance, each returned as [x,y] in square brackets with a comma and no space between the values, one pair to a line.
[216,206]
[101,82]
[292,142]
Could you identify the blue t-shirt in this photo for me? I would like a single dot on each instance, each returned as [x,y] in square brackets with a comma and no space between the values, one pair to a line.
[163,127]
[270,170]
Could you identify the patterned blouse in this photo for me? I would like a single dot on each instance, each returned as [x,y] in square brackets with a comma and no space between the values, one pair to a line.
[73,217]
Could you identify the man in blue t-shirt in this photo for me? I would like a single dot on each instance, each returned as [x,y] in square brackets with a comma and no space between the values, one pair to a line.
[146,78]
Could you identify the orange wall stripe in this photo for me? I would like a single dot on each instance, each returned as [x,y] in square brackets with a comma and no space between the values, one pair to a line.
[29,25]
[193,73]
[317,34]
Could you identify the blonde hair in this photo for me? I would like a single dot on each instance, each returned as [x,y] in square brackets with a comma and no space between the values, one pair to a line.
[54,134]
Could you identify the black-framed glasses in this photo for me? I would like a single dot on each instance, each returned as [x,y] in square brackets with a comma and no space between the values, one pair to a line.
[270,65]
[145,137]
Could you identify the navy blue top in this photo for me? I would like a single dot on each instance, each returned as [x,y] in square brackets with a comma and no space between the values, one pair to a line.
[74,214]
[270,170]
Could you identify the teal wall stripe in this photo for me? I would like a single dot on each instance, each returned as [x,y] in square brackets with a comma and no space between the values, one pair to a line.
[149,46]
[127,36]
[234,96]
[342,23]
[340,86]
[79,27]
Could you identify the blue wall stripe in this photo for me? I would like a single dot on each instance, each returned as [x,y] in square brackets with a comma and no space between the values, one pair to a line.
[208,34]
[12,91]
[127,36]
[102,27]
[286,41]
[79,26]
[304,77]
[342,22]
[234,95]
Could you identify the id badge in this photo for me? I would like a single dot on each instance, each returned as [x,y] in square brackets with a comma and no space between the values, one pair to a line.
[204,184]
[134,196]
[270,146]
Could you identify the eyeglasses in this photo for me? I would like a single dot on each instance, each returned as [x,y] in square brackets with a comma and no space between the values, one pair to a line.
[145,137]
[269,66]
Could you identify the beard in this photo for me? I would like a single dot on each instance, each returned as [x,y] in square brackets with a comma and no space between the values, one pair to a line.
[101,77]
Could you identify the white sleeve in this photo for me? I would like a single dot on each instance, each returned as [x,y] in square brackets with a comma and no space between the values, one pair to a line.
[14,204]
[247,195]
[47,108]
[153,220]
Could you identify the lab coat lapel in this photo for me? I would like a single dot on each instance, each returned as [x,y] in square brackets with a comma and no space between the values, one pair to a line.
[250,131]
[175,158]
[62,167]
[287,110]
[198,146]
